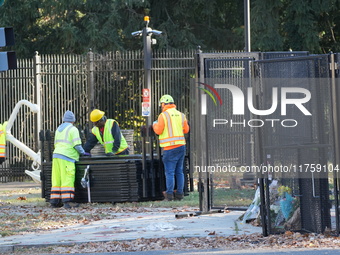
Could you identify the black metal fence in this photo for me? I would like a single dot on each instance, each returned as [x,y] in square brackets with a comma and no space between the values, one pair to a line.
[112,82]
[258,125]
[308,143]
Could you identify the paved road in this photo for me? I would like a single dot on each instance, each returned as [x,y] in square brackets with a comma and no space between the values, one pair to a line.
[223,252]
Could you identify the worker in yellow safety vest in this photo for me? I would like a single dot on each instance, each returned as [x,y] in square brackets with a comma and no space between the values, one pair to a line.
[2,142]
[106,132]
[171,127]
[67,148]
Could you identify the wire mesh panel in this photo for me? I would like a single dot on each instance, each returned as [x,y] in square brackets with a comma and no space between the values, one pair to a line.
[283,54]
[225,142]
[288,124]
[298,144]
[228,143]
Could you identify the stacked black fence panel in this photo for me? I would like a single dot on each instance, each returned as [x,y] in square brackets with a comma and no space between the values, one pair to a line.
[112,179]
[158,181]
[46,179]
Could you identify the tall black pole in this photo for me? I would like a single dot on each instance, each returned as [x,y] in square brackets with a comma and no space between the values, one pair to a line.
[247,47]
[148,171]
[147,81]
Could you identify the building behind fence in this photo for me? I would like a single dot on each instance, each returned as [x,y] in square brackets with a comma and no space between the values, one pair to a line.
[112,82]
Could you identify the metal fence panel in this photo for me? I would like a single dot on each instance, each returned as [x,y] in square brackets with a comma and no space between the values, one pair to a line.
[119,80]
[222,146]
[63,87]
[16,85]
[111,81]
[309,142]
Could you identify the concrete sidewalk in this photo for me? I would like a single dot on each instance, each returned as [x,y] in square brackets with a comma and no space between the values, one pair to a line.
[129,226]
[155,223]
[152,223]
[18,185]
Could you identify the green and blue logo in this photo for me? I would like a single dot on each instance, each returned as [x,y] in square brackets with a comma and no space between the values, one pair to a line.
[213,91]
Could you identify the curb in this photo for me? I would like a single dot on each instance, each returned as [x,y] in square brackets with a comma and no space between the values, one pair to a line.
[6,248]
[13,247]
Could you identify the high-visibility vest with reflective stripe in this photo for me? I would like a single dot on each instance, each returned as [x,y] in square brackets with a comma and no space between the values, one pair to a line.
[2,141]
[173,128]
[108,137]
[65,141]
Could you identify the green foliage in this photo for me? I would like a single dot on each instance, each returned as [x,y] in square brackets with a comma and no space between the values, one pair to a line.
[212,24]
[74,26]
[296,25]
[265,25]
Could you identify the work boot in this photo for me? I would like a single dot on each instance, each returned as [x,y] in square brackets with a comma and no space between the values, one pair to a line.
[58,205]
[179,196]
[168,197]
[69,205]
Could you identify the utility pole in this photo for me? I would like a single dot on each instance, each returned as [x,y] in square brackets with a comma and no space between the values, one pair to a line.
[147,33]
[247,47]
[147,70]
[147,112]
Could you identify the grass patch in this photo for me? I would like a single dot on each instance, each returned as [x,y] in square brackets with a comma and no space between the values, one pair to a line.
[30,196]
[221,197]
[233,197]
[191,201]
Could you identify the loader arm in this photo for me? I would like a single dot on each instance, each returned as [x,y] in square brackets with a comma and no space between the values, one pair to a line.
[21,146]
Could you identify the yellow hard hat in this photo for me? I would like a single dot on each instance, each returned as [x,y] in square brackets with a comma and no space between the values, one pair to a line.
[166,99]
[96,115]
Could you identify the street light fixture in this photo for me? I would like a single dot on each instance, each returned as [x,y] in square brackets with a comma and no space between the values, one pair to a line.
[147,32]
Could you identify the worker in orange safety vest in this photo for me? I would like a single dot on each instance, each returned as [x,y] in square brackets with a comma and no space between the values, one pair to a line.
[171,127]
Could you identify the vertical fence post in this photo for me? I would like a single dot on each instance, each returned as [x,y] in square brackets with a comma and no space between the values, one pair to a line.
[335,112]
[90,80]
[37,84]
[204,185]
[195,116]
